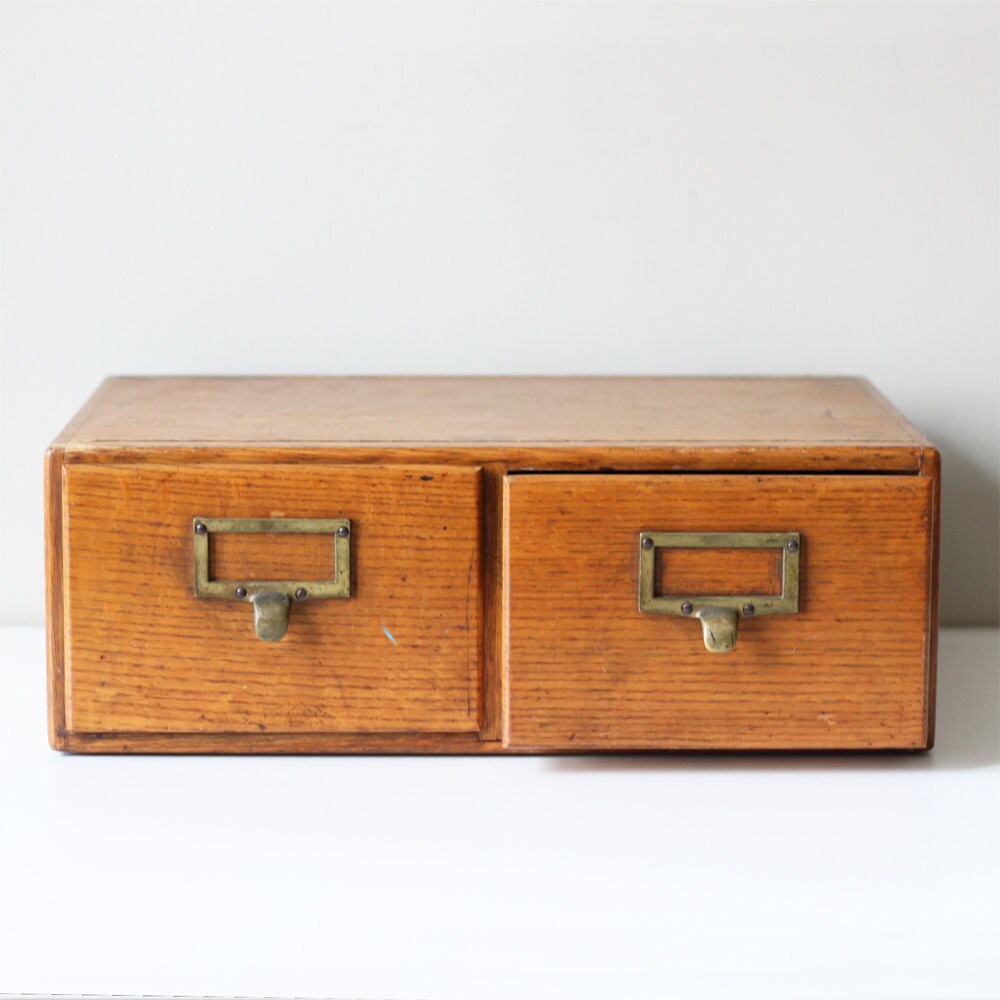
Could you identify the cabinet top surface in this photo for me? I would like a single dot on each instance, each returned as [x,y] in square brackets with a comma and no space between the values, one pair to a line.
[478,411]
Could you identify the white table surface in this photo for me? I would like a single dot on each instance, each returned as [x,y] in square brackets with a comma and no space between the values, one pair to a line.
[690,876]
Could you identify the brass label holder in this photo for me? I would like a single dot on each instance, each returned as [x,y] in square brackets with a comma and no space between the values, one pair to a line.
[272,599]
[719,615]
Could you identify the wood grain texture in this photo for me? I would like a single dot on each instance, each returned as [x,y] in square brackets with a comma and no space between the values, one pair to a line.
[54,611]
[931,468]
[428,467]
[856,458]
[587,669]
[236,556]
[699,572]
[143,654]
[283,743]
[455,411]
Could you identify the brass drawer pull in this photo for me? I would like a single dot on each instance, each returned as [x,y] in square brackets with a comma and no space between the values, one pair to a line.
[719,616]
[272,599]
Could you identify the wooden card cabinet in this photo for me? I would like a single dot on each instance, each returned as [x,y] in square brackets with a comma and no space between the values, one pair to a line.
[490,565]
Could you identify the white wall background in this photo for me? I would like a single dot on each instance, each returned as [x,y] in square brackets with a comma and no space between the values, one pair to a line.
[503,187]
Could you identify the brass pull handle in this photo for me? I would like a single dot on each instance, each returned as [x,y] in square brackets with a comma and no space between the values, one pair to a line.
[719,615]
[272,599]
[270,615]
[719,628]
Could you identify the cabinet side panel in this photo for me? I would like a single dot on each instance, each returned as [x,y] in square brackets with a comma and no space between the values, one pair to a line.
[931,468]
[54,624]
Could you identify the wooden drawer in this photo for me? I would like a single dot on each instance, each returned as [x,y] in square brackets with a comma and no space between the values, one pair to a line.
[144,654]
[588,669]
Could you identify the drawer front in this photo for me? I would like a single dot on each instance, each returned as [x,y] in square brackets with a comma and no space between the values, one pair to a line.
[392,646]
[842,665]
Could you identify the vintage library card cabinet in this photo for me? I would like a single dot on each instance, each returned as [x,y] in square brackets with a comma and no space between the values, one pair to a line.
[490,565]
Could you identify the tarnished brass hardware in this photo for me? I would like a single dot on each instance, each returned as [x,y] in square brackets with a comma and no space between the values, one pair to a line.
[270,615]
[719,628]
[272,599]
[720,616]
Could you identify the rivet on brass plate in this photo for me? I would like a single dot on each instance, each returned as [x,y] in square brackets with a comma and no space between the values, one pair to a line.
[720,615]
[272,599]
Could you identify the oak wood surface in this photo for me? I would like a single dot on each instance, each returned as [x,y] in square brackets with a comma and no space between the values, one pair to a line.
[588,457]
[931,469]
[702,572]
[234,556]
[143,654]
[54,611]
[456,411]
[135,663]
[587,669]
[282,743]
